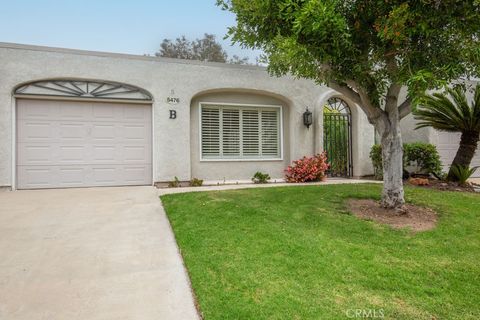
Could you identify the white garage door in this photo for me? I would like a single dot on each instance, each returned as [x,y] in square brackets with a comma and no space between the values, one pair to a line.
[447,148]
[83,144]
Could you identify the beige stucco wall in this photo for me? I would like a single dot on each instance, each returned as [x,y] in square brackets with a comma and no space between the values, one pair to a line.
[172,153]
[410,134]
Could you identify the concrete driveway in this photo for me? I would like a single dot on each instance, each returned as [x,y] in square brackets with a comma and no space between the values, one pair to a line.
[94,253]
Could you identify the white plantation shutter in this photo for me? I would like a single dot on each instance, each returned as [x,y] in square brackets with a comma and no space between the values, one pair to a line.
[231,132]
[269,134]
[250,133]
[210,132]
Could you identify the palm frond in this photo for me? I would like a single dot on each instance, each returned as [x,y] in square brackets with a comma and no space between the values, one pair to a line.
[449,111]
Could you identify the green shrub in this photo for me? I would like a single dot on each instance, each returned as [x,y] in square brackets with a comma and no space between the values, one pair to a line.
[376,157]
[423,156]
[462,173]
[259,177]
[196,182]
[175,183]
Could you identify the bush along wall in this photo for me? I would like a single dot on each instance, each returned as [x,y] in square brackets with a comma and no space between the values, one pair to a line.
[307,169]
[418,158]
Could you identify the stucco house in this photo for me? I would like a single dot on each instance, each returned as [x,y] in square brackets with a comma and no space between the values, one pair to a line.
[447,143]
[72,118]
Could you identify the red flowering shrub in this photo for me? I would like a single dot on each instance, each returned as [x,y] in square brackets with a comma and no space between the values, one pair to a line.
[307,169]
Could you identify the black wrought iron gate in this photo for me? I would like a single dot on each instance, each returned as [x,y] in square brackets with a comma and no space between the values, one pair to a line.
[337,137]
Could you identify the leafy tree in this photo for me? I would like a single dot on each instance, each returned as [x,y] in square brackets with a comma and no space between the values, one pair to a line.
[181,48]
[453,114]
[205,49]
[237,60]
[367,50]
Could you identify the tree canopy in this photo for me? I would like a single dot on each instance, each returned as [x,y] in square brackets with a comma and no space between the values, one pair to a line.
[204,49]
[367,50]
[365,45]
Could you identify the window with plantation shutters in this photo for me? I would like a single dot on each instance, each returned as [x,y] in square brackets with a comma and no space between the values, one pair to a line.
[240,132]
[210,132]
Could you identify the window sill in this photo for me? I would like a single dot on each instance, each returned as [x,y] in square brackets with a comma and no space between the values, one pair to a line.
[241,160]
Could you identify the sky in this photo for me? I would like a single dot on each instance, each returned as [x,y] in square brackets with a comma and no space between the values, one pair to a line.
[122,26]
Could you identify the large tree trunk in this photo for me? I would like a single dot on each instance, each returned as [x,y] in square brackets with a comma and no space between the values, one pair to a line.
[392,160]
[392,151]
[466,151]
[387,124]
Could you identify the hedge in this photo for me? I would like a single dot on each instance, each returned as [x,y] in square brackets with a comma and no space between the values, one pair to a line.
[423,156]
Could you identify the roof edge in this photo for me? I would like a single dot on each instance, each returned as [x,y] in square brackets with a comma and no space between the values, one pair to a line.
[19,46]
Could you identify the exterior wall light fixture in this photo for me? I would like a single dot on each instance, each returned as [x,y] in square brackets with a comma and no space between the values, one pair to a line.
[307,118]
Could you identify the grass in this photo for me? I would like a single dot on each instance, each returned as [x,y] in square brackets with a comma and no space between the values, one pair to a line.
[296,253]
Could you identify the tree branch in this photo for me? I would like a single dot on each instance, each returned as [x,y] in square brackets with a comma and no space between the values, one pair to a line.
[405,108]
[391,101]
[353,91]
[346,91]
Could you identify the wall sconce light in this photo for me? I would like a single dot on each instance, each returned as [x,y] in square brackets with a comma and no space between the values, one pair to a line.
[307,118]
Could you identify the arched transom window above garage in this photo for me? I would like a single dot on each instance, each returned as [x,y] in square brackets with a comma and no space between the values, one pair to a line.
[83,89]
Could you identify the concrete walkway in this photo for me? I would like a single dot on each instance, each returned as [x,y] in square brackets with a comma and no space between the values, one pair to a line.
[474,180]
[94,253]
[331,181]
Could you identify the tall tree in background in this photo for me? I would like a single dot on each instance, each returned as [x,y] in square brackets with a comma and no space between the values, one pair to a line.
[237,60]
[451,112]
[367,50]
[181,48]
[205,49]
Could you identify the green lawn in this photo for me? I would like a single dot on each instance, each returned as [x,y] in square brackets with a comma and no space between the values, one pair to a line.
[296,253]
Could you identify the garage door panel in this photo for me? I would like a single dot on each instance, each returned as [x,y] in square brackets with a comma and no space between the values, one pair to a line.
[133,174]
[71,176]
[104,131]
[135,153]
[71,131]
[83,144]
[40,110]
[71,154]
[55,154]
[106,111]
[135,132]
[81,176]
[35,131]
[34,177]
[105,175]
[130,113]
[76,111]
[105,153]
[50,131]
[37,154]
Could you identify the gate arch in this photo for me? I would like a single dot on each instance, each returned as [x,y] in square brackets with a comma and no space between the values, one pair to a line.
[337,137]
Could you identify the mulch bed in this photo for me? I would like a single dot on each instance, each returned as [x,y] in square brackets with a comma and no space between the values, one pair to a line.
[447,186]
[413,217]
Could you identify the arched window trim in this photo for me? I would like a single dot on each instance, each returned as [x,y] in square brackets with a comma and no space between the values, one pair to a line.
[88,89]
[337,105]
